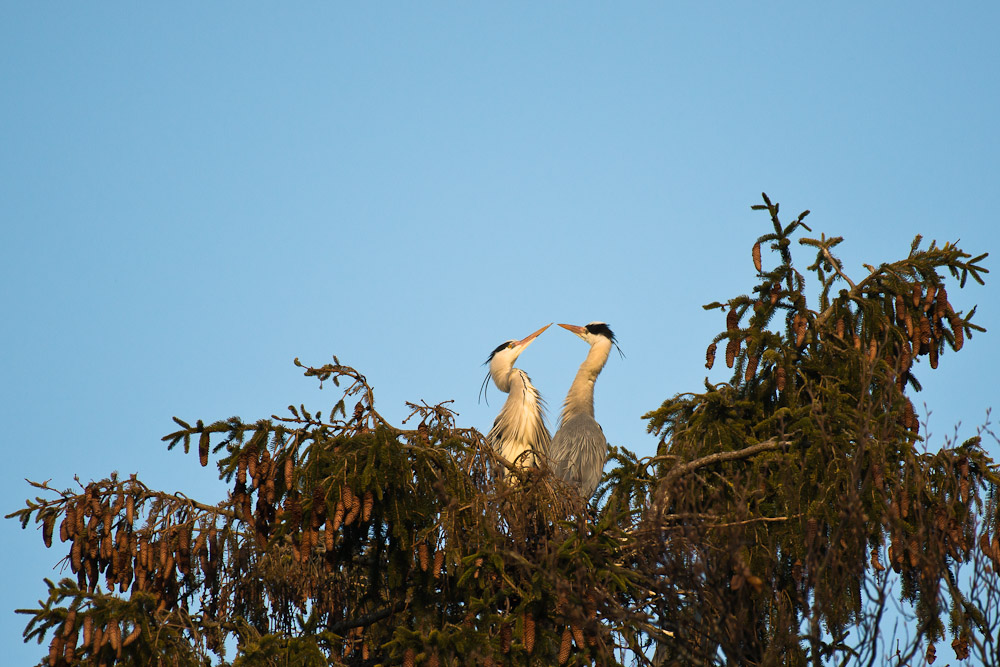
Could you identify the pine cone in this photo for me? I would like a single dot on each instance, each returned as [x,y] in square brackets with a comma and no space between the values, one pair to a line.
[895,558]
[710,356]
[47,527]
[294,511]
[203,443]
[75,554]
[269,492]
[957,330]
[338,514]
[114,635]
[366,510]
[925,331]
[961,646]
[781,378]
[529,633]
[355,506]
[69,623]
[247,508]
[423,556]
[875,561]
[756,256]
[263,468]
[732,347]
[438,562]
[929,298]
[106,547]
[88,629]
[941,305]
[567,638]
[132,636]
[318,507]
[56,650]
[732,319]
[98,640]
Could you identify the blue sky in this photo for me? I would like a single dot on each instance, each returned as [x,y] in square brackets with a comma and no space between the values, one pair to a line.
[192,196]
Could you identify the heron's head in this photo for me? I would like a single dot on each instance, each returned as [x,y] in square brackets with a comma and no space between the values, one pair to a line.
[502,359]
[594,333]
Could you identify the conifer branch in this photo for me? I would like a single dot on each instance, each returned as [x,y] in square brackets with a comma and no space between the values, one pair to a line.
[362,621]
[181,498]
[720,457]
[835,263]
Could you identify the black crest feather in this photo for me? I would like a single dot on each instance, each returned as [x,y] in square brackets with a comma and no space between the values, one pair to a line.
[602,329]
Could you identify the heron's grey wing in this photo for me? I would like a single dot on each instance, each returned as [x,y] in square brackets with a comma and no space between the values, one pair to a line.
[579,449]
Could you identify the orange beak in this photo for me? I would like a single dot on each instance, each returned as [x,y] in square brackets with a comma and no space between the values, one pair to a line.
[524,341]
[575,329]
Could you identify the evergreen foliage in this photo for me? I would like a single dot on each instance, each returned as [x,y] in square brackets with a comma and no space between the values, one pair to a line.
[769,529]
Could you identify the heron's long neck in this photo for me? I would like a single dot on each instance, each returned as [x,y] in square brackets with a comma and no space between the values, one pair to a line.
[504,378]
[580,398]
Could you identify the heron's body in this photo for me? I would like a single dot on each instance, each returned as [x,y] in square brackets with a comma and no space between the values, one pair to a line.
[519,435]
[579,447]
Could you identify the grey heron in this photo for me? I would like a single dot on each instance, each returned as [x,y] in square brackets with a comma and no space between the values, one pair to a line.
[579,447]
[519,434]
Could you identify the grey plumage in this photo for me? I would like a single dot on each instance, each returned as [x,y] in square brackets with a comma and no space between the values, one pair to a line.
[579,447]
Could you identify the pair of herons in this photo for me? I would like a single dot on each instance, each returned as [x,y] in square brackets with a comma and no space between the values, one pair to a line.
[577,452]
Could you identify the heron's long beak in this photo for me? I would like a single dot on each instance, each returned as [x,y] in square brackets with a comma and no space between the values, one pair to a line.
[579,331]
[525,342]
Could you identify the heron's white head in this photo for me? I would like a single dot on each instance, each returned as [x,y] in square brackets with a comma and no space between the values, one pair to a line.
[502,359]
[594,333]
[591,333]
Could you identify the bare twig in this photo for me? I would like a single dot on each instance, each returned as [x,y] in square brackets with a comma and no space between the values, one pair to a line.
[768,445]
[835,263]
